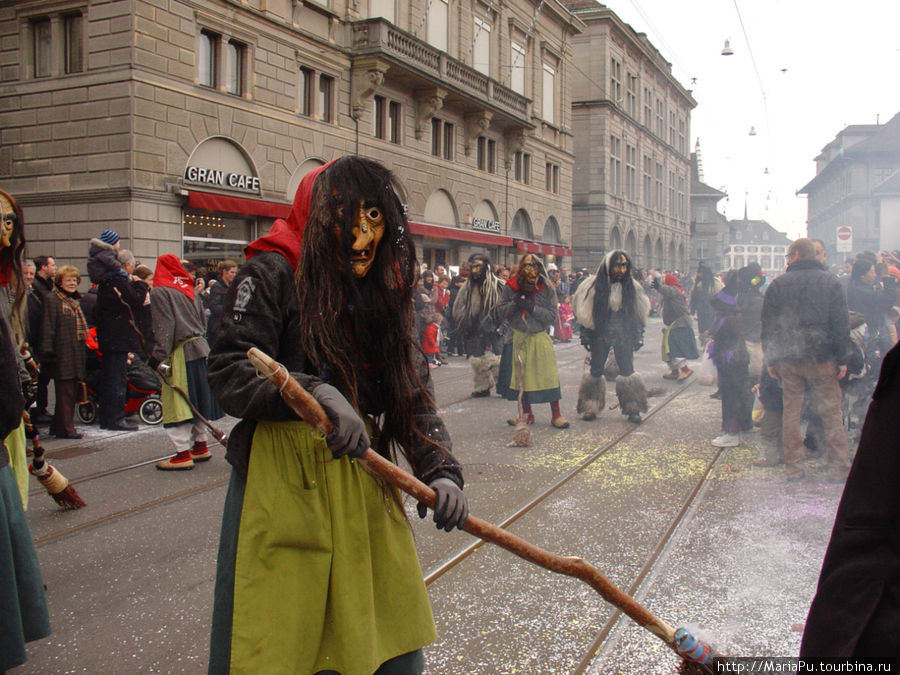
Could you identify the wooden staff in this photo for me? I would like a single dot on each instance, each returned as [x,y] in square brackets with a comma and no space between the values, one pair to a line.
[305,405]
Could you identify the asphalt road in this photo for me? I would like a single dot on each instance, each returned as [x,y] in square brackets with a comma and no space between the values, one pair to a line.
[701,537]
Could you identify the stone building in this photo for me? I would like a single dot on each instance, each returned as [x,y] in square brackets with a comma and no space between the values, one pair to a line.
[631,118]
[709,228]
[755,241]
[186,125]
[857,190]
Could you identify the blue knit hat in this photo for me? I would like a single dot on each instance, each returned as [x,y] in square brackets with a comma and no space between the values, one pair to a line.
[109,237]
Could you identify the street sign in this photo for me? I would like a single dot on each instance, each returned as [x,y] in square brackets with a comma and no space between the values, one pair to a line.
[844,237]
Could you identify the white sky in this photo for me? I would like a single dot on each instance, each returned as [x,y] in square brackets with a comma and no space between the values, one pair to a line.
[843,67]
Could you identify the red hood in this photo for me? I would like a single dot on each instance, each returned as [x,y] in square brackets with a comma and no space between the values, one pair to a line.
[513,283]
[171,274]
[285,236]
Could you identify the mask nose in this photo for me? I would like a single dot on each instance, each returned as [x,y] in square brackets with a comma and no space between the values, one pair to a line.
[362,232]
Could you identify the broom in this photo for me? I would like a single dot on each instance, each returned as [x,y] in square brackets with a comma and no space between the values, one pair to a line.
[219,435]
[53,481]
[698,657]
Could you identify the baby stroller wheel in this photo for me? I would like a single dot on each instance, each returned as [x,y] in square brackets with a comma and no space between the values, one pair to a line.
[151,411]
[87,411]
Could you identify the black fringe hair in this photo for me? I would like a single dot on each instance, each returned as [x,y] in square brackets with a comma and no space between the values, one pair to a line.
[348,323]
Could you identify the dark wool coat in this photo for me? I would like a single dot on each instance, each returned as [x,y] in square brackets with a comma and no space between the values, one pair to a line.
[60,348]
[540,319]
[113,315]
[872,301]
[856,610]
[804,316]
[215,302]
[261,311]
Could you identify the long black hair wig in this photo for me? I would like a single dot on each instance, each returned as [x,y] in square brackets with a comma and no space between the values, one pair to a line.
[602,288]
[11,262]
[354,328]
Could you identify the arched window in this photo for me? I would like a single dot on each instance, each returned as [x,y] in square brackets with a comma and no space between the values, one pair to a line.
[521,225]
[440,209]
[615,239]
[551,231]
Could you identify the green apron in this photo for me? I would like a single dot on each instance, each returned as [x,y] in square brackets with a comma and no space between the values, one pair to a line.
[326,572]
[175,408]
[18,459]
[541,374]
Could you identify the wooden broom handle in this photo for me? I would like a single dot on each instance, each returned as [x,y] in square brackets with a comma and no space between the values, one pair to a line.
[309,410]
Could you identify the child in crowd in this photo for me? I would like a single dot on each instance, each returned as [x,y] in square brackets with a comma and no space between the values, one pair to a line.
[431,340]
[566,316]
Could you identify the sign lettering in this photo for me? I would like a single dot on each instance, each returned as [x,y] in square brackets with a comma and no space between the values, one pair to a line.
[219,178]
[486,225]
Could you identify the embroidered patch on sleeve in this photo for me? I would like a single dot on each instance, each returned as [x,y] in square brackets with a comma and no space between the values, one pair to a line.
[243,297]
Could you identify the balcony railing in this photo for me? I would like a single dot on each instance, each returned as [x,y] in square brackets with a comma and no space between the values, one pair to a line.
[379,37]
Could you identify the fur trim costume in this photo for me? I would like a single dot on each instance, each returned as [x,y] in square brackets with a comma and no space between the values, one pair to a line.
[473,316]
[612,309]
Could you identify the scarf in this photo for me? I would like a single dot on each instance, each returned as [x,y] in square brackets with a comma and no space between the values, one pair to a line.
[171,274]
[672,280]
[285,235]
[70,307]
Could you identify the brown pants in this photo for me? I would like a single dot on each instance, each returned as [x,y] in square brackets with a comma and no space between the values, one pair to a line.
[64,414]
[821,377]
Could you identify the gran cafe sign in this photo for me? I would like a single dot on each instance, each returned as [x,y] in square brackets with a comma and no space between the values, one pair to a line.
[486,225]
[200,175]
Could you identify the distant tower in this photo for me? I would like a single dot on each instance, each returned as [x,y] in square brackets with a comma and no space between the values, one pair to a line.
[699,161]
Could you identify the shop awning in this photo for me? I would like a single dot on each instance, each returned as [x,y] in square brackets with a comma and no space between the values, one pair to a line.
[543,249]
[440,232]
[251,207]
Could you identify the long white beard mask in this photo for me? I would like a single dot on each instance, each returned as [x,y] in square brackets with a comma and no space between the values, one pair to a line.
[615,296]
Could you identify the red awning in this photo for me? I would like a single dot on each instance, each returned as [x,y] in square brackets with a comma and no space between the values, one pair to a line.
[439,232]
[543,249]
[251,207]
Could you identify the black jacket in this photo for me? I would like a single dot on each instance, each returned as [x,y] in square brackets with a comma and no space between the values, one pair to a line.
[872,301]
[261,311]
[804,316]
[216,304]
[856,610]
[118,304]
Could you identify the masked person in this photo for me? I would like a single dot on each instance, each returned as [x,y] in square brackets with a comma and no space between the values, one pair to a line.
[612,309]
[317,569]
[473,314]
[23,606]
[529,305]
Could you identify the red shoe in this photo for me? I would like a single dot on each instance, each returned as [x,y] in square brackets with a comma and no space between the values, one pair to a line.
[200,452]
[180,462]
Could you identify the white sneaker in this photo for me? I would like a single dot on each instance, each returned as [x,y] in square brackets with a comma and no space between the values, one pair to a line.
[726,441]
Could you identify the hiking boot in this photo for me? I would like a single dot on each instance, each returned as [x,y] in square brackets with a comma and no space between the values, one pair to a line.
[671,375]
[181,461]
[200,452]
[684,373]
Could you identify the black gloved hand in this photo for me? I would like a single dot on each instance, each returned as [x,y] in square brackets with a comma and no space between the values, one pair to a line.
[450,506]
[525,302]
[587,338]
[349,435]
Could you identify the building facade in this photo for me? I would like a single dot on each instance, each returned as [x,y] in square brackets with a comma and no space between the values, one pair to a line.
[186,125]
[709,228]
[853,203]
[632,167]
[756,241]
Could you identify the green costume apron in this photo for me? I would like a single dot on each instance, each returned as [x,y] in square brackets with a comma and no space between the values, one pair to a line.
[175,408]
[326,574]
[541,381]
[18,460]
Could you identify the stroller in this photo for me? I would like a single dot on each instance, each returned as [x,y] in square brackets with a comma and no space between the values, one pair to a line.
[142,386]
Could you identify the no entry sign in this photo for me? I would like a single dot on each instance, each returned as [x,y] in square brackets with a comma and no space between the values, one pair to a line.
[844,237]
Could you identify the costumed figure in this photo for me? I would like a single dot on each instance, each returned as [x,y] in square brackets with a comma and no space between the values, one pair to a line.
[728,351]
[473,314]
[704,289]
[317,568]
[23,607]
[679,342]
[529,305]
[612,309]
[179,355]
[12,309]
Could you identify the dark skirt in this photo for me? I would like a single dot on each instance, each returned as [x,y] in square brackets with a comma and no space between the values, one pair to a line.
[23,608]
[505,374]
[683,343]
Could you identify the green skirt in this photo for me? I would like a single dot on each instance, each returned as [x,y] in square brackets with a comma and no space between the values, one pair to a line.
[24,616]
[541,381]
[317,568]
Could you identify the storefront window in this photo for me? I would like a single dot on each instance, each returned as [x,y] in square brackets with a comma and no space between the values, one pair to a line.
[212,237]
